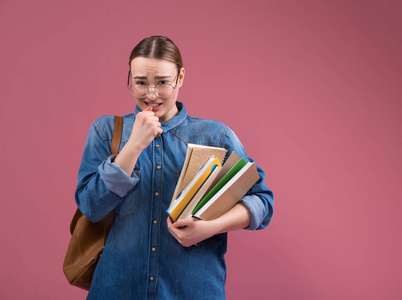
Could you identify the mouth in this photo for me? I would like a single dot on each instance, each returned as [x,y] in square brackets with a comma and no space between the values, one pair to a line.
[153,104]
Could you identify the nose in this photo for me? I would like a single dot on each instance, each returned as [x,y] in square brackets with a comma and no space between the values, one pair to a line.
[152,94]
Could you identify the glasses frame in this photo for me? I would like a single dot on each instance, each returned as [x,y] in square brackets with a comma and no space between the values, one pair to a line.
[154,87]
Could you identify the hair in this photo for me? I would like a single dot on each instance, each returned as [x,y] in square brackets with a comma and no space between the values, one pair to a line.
[159,47]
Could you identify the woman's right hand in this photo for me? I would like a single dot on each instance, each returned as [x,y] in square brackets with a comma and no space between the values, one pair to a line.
[146,127]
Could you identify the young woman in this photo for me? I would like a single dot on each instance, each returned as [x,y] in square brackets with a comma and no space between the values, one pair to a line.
[146,256]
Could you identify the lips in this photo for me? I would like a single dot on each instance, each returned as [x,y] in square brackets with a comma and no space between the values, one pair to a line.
[153,104]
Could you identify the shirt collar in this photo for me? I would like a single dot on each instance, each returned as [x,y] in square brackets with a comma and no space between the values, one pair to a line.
[175,121]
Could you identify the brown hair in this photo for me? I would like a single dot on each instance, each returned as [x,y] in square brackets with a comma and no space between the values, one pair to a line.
[159,47]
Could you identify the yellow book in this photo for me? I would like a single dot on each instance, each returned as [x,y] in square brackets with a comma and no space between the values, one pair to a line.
[204,189]
[177,207]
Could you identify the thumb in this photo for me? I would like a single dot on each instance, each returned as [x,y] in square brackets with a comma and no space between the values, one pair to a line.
[183,222]
[149,108]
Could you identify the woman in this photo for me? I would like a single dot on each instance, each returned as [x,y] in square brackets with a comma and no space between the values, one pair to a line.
[146,256]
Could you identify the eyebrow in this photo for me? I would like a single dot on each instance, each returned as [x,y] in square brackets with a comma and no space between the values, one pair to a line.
[156,77]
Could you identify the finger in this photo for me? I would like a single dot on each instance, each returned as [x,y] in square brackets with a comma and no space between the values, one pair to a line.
[170,225]
[149,108]
[172,230]
[148,113]
[183,222]
[169,221]
[158,132]
[155,120]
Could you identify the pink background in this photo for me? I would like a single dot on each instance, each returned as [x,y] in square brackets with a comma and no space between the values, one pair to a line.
[312,88]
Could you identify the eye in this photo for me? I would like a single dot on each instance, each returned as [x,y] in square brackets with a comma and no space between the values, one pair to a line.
[141,83]
[163,82]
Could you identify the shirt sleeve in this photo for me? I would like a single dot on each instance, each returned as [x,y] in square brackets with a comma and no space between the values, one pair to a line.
[102,184]
[115,178]
[259,200]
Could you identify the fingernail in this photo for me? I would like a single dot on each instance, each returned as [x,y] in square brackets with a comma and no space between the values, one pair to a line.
[174,224]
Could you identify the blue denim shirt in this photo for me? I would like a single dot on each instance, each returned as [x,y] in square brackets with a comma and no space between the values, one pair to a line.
[141,259]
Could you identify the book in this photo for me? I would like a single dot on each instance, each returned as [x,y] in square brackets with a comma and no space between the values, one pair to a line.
[230,162]
[225,179]
[187,212]
[193,186]
[228,195]
[196,157]
[212,180]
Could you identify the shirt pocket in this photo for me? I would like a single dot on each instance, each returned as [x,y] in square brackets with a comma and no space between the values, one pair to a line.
[131,201]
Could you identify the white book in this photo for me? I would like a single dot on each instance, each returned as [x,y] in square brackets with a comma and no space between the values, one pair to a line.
[205,188]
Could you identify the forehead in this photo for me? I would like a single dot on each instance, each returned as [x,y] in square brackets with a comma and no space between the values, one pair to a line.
[144,66]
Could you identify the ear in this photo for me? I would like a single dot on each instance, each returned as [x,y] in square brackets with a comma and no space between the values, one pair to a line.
[181,77]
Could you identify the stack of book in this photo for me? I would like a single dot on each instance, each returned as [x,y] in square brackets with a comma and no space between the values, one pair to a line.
[206,189]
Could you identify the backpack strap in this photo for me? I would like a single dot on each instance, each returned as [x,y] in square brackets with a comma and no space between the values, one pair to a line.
[114,150]
[117,132]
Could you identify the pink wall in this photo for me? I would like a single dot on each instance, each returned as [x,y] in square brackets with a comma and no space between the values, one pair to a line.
[312,88]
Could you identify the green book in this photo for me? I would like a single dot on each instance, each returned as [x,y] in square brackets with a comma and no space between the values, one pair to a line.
[232,172]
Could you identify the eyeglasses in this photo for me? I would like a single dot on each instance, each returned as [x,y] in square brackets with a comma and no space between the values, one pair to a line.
[162,90]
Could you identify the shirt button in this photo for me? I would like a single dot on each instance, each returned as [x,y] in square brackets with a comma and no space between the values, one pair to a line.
[155,221]
[153,249]
[152,279]
[158,167]
[157,146]
[156,194]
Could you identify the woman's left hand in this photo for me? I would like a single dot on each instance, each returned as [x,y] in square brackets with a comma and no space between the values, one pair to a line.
[191,231]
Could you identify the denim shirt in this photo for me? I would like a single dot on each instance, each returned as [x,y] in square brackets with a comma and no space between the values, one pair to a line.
[141,259]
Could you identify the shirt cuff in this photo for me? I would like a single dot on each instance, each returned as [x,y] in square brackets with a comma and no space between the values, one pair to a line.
[115,178]
[257,210]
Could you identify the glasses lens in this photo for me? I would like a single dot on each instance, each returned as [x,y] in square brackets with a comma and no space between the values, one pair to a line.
[139,91]
[164,90]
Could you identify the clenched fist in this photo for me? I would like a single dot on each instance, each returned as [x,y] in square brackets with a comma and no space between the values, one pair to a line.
[146,127]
